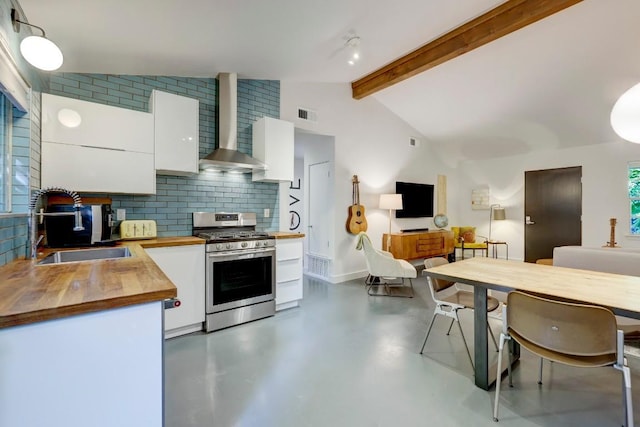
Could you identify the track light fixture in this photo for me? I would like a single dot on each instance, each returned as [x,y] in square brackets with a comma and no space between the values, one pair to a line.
[352,44]
[38,51]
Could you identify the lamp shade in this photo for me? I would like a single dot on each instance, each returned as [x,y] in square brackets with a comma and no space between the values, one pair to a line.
[498,214]
[41,52]
[391,201]
[625,115]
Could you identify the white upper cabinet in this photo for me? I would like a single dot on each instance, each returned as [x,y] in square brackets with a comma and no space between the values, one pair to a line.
[89,169]
[72,121]
[176,127]
[91,147]
[273,145]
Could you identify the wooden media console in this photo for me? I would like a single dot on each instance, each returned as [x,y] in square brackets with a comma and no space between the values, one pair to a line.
[423,244]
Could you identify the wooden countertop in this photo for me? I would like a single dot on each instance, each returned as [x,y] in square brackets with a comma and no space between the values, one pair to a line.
[164,242]
[32,293]
[285,235]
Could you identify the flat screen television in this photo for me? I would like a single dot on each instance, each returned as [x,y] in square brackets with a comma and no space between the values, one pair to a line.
[417,200]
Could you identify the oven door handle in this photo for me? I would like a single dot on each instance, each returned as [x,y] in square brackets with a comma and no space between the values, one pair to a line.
[243,254]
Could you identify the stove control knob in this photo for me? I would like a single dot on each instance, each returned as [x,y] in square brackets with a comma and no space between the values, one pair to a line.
[243,244]
[257,244]
[228,245]
[219,246]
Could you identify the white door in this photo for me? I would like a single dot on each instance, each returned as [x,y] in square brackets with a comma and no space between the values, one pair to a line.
[320,209]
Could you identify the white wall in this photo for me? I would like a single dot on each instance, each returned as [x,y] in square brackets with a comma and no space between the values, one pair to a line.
[370,142]
[604,191]
[315,149]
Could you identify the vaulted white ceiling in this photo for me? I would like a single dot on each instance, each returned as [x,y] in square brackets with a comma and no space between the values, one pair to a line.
[551,84]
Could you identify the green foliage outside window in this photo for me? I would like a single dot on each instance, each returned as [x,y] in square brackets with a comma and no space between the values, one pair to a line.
[634,197]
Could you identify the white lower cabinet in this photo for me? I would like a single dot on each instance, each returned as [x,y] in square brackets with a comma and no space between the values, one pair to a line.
[101,369]
[288,273]
[184,265]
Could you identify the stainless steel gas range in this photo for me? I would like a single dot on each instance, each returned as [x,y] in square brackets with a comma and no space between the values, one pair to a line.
[240,269]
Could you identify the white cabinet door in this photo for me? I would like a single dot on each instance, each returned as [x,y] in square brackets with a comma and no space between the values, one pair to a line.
[288,273]
[91,147]
[176,133]
[72,121]
[184,265]
[78,366]
[273,141]
[89,169]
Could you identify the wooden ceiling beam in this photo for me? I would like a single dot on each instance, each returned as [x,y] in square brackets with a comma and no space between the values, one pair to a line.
[498,22]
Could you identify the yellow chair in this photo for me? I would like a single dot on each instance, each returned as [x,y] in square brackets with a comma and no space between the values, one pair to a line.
[465,239]
[573,334]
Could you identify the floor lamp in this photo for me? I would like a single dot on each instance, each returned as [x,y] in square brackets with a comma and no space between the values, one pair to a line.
[393,202]
[496,213]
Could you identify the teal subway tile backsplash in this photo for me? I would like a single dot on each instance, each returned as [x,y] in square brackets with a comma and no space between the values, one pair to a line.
[106,84]
[119,80]
[13,238]
[177,197]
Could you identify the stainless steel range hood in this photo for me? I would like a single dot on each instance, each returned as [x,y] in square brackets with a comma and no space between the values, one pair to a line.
[227,157]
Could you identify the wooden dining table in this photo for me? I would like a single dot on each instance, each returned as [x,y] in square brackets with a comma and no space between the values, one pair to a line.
[618,292]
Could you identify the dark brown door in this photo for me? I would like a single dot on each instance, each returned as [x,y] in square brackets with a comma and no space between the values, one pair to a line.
[553,211]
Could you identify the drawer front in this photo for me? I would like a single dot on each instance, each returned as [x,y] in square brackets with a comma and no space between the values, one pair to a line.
[287,250]
[288,291]
[289,270]
[429,244]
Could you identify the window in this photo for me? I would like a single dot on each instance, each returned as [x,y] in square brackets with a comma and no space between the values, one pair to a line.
[634,197]
[15,98]
[6,120]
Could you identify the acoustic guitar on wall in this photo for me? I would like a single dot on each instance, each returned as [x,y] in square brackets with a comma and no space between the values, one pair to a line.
[356,222]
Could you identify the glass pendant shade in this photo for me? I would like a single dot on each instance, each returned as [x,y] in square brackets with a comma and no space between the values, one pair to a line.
[625,115]
[41,52]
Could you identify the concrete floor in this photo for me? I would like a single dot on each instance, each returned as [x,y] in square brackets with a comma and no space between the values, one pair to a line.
[347,359]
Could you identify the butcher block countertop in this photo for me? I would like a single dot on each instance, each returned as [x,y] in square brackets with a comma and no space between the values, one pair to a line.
[285,235]
[164,242]
[32,293]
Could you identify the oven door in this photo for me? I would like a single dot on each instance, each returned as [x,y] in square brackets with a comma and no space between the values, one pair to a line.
[237,279]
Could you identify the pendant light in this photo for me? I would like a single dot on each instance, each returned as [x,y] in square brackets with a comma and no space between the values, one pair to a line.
[38,51]
[625,115]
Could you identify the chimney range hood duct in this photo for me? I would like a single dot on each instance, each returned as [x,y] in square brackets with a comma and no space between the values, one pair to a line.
[227,157]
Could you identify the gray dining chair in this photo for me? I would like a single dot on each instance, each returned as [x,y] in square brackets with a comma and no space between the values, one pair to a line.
[574,334]
[449,300]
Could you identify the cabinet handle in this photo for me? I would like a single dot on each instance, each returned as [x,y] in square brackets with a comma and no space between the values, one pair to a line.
[172,303]
[103,148]
[288,259]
